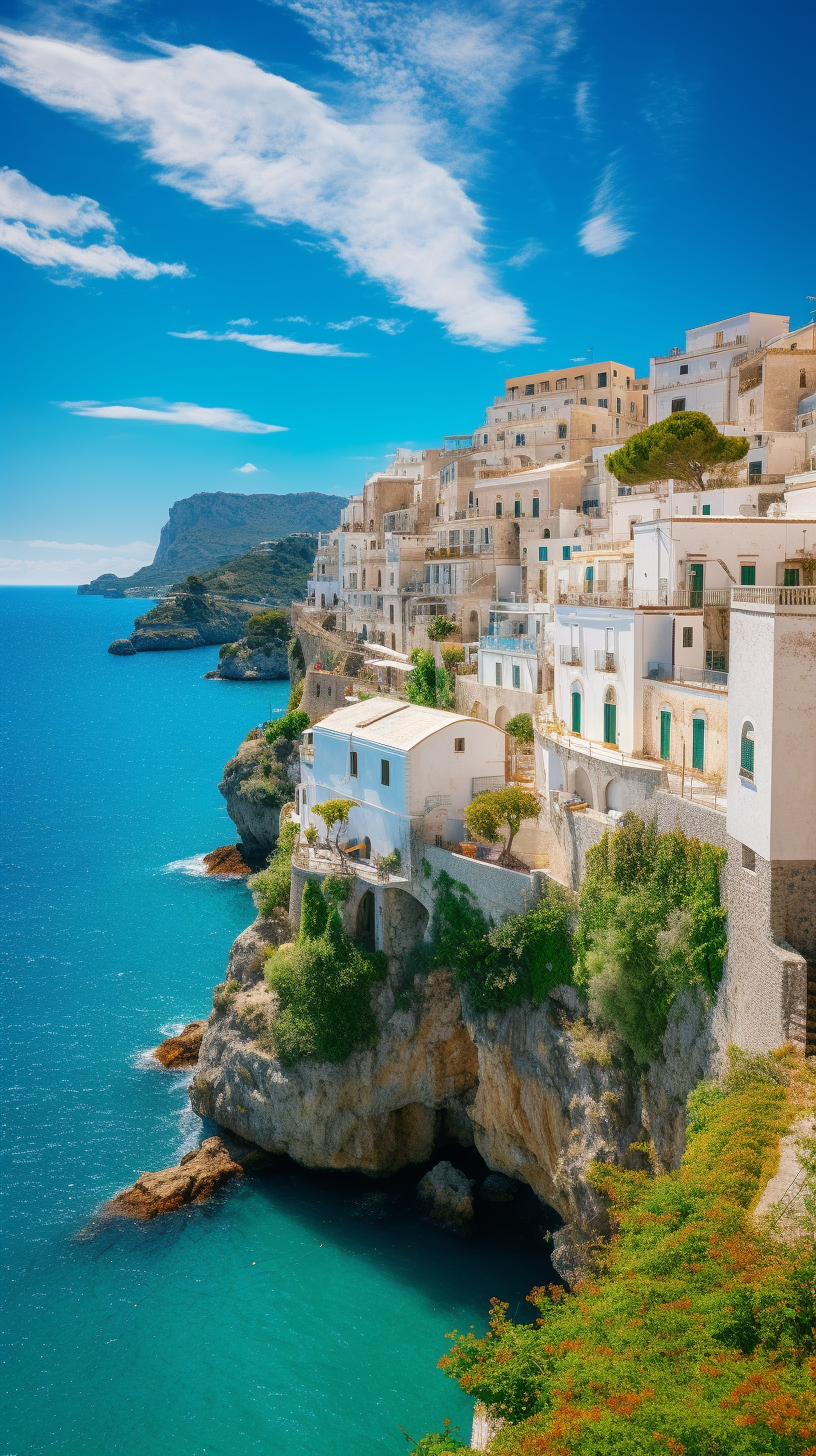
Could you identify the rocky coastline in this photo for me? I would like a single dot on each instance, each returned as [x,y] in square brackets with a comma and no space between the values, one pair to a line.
[183,621]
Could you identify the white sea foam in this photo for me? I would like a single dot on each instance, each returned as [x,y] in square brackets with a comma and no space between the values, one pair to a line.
[193,866]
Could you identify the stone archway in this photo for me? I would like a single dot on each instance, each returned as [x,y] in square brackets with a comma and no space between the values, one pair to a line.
[582,787]
[479,711]
[405,920]
[502,716]
[615,795]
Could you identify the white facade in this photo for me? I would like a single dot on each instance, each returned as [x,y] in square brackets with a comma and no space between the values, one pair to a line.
[772,703]
[598,656]
[700,377]
[695,553]
[432,758]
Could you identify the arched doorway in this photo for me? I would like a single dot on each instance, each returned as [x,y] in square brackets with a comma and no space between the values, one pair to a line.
[364,931]
[576,705]
[473,627]
[615,795]
[698,741]
[610,726]
[582,787]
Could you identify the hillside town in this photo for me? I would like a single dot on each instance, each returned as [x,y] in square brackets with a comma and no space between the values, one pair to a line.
[656,641]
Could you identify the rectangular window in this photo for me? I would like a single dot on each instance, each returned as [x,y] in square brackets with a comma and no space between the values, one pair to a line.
[747,575]
[678,405]
[688,636]
[520,439]
[684,368]
[529,389]
[603,404]
[352,764]
[470,497]
[517,509]
[542,553]
[566,553]
[385,772]
[578,382]
[665,733]
[747,758]
[802,379]
[498,675]
[791,576]
[562,432]
[498,507]
[391,612]
[706,510]
[458,745]
[718,338]
[617,406]
[594,429]
[516,676]
[560,383]
[536,505]
[602,381]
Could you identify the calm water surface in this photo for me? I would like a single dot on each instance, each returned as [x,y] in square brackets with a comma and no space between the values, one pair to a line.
[293,1314]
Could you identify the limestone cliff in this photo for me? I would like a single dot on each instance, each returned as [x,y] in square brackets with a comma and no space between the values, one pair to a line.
[257,782]
[526,1086]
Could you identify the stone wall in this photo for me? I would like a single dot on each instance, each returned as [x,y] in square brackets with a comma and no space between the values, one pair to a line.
[323,692]
[481,700]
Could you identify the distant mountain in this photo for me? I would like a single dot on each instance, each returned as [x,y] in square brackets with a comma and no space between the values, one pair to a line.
[211,528]
[276,574]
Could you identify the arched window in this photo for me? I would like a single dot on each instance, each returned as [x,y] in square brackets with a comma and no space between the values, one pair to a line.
[665,733]
[576,708]
[698,741]
[610,718]
[546,533]
[747,752]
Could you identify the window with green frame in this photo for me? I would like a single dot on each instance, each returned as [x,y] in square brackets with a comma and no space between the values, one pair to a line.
[747,752]
[542,553]
[576,711]
[698,728]
[791,576]
[747,575]
[610,723]
[536,505]
[665,733]
[566,553]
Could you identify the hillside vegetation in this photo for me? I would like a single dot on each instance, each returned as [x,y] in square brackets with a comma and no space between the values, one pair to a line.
[279,575]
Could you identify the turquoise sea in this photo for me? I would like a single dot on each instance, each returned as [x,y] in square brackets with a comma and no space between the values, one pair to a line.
[298,1314]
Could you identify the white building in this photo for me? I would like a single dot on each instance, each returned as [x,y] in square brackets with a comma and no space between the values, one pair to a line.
[411,770]
[701,377]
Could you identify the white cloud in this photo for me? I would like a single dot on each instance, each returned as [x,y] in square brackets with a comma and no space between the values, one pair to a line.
[66,563]
[603,232]
[223,130]
[526,254]
[385,325]
[248,469]
[172,414]
[583,107]
[30,218]
[241,323]
[271,343]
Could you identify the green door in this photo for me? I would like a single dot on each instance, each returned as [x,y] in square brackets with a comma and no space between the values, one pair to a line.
[576,712]
[590,577]
[698,744]
[665,733]
[695,580]
[610,723]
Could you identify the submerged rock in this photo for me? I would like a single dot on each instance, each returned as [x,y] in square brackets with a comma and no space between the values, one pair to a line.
[122,647]
[182,1050]
[192,1180]
[498,1189]
[449,1195]
[226,860]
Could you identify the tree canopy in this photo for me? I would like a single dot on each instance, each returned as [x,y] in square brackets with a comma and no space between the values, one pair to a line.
[428,685]
[685,446]
[487,813]
[441,627]
[335,812]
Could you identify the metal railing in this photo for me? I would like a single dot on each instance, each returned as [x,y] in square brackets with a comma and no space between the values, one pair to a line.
[701,677]
[493,643]
[487,785]
[570,656]
[718,596]
[780,596]
[605,661]
[595,599]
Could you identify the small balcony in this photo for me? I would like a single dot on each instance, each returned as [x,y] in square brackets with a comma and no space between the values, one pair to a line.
[699,677]
[509,644]
[605,661]
[570,656]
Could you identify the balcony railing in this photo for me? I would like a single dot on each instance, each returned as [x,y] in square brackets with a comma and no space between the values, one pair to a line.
[780,596]
[605,661]
[595,599]
[718,596]
[571,656]
[701,677]
[492,643]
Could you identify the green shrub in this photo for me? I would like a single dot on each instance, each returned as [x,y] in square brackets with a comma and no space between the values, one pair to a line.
[270,888]
[485,815]
[295,696]
[441,627]
[290,726]
[694,1331]
[269,627]
[440,1443]
[324,985]
[520,728]
[651,923]
[522,959]
[267,789]
[230,649]
[452,654]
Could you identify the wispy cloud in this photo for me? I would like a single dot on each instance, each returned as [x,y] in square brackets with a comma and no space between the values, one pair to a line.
[583,107]
[55,563]
[36,226]
[223,130]
[248,469]
[271,343]
[603,232]
[526,254]
[385,325]
[157,412]
[242,323]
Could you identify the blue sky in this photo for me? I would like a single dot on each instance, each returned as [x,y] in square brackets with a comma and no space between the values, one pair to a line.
[350,221]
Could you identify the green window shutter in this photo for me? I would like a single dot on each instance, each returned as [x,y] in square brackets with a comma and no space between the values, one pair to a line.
[536,504]
[665,734]
[590,576]
[542,553]
[516,677]
[747,756]
[698,744]
[747,576]
[567,553]
[610,723]
[791,576]
[576,712]
[706,510]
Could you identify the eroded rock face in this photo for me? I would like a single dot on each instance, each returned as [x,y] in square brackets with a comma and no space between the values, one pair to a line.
[253,801]
[448,1195]
[192,1180]
[226,860]
[268,662]
[182,1050]
[523,1085]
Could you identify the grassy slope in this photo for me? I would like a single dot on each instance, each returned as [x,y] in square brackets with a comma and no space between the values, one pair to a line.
[280,575]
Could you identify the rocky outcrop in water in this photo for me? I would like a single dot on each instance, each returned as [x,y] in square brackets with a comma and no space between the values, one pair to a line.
[247,664]
[182,1050]
[226,860]
[122,647]
[188,619]
[448,1195]
[257,782]
[533,1087]
[192,1180]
